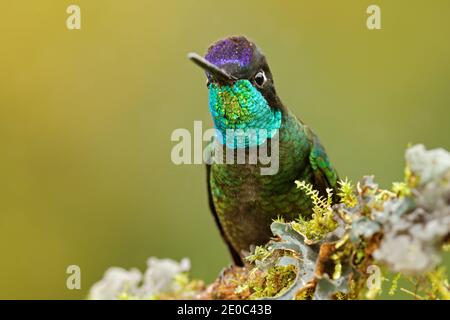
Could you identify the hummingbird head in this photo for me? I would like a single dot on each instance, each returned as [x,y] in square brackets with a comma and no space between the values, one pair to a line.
[242,97]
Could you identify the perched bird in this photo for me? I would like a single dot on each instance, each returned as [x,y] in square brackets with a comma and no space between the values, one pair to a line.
[242,96]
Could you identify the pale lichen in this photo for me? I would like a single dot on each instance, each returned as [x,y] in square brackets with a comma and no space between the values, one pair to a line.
[415,226]
[164,278]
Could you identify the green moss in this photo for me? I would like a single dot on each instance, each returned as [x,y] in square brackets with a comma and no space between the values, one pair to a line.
[273,282]
[394,284]
[321,222]
[439,284]
[260,254]
[306,293]
[401,189]
[341,296]
[347,194]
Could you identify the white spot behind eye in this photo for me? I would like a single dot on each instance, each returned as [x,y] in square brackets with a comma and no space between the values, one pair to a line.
[260,78]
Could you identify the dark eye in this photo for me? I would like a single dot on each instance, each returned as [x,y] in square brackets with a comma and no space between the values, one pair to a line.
[260,78]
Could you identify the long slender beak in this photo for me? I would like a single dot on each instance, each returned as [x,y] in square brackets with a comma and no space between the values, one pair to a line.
[216,72]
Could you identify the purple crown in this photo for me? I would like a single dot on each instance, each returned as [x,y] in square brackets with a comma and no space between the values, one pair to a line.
[238,50]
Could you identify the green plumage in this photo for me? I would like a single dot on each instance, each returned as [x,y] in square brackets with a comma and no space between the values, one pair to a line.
[243,201]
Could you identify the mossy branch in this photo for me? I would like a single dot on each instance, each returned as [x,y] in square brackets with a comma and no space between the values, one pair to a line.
[341,252]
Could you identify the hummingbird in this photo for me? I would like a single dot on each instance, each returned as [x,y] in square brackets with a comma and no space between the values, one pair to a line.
[242,96]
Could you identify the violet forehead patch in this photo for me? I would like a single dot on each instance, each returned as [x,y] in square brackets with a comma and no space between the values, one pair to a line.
[237,50]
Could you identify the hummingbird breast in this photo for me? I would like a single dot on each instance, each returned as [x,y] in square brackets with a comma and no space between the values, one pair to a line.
[246,202]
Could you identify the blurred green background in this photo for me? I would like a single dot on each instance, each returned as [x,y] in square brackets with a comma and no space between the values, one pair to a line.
[86,118]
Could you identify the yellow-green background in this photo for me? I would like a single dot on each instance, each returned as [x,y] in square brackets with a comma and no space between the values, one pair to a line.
[86,118]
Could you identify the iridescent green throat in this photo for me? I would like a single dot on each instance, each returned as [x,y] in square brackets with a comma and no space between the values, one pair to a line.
[241,115]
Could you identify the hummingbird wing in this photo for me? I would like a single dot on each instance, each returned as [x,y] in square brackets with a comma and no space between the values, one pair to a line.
[234,254]
[324,173]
